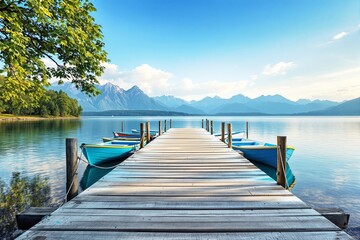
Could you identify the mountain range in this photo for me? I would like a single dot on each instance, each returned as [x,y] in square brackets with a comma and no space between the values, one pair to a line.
[115,98]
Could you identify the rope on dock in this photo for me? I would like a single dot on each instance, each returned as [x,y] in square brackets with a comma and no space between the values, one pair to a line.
[72,183]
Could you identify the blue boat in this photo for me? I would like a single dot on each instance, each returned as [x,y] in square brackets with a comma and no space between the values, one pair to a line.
[104,152]
[264,153]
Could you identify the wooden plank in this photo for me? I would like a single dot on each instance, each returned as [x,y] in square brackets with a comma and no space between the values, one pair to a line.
[186,202]
[218,223]
[114,235]
[169,213]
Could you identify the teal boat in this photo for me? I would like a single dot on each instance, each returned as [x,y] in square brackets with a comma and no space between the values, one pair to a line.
[104,152]
[264,153]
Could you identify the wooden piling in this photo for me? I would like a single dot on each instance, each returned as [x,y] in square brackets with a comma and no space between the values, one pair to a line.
[165,125]
[281,161]
[141,135]
[229,135]
[170,123]
[122,126]
[247,130]
[223,131]
[160,128]
[202,123]
[212,127]
[72,183]
[148,132]
[207,125]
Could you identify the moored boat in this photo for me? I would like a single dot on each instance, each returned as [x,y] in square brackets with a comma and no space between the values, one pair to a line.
[109,151]
[152,132]
[126,135]
[264,153]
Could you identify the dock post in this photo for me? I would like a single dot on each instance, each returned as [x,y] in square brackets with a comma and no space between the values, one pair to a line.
[212,127]
[141,135]
[148,132]
[122,126]
[247,130]
[160,128]
[165,125]
[281,161]
[202,123]
[207,125]
[223,131]
[72,183]
[229,135]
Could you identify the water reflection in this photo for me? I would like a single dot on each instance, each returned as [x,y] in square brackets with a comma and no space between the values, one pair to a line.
[326,161]
[22,192]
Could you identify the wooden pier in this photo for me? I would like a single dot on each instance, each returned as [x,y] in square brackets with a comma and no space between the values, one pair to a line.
[186,184]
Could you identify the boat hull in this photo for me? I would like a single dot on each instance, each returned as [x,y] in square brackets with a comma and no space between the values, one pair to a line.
[265,154]
[98,154]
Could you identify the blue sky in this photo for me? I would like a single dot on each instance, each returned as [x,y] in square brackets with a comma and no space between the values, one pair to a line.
[197,48]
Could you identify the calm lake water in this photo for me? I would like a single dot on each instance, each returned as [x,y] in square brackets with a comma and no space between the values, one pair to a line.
[326,161]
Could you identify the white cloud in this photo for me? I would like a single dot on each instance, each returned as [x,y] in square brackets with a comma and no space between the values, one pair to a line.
[155,82]
[254,77]
[336,86]
[279,68]
[48,62]
[340,35]
[190,90]
[148,78]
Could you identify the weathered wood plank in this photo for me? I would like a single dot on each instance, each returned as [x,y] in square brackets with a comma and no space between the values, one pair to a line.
[194,223]
[76,235]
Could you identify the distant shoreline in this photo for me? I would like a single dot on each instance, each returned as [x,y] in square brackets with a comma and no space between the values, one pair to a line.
[135,113]
[11,118]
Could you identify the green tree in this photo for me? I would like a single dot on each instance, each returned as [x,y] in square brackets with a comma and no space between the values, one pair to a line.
[22,193]
[61,31]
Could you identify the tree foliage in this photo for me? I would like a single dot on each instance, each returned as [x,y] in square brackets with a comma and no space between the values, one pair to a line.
[22,192]
[60,31]
[51,103]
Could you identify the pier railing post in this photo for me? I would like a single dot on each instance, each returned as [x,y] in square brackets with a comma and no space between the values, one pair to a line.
[207,125]
[247,130]
[160,128]
[281,161]
[229,135]
[72,183]
[148,132]
[122,126]
[212,127]
[170,123]
[165,125]
[223,131]
[141,135]
[202,123]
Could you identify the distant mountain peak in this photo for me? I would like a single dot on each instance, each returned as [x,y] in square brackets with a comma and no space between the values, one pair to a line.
[111,87]
[134,90]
